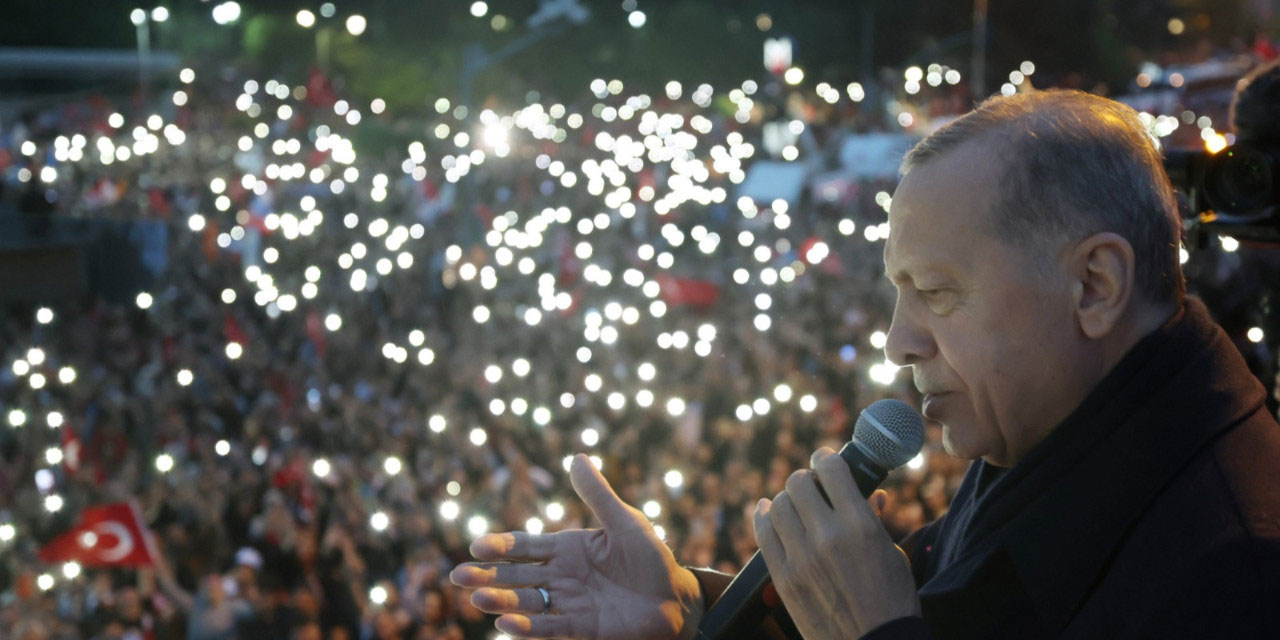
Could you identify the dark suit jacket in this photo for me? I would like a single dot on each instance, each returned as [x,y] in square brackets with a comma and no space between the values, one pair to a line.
[1153,511]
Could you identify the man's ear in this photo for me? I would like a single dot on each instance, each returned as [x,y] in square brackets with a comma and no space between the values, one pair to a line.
[1102,271]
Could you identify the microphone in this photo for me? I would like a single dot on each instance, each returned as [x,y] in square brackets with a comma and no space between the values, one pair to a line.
[888,434]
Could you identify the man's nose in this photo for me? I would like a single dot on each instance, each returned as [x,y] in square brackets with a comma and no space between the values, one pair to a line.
[909,341]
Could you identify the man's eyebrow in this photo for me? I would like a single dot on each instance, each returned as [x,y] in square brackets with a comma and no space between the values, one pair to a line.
[895,276]
[925,270]
[898,276]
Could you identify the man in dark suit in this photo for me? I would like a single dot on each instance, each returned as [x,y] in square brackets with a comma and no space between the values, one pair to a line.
[1126,479]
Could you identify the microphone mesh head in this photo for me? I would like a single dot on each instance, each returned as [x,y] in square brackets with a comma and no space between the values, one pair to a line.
[891,430]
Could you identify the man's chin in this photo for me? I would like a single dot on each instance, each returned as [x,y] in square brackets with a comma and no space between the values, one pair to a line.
[954,448]
[948,444]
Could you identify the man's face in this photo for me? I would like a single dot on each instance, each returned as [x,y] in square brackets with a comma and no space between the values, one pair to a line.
[986,332]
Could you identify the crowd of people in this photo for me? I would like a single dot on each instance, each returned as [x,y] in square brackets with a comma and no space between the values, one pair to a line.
[314,469]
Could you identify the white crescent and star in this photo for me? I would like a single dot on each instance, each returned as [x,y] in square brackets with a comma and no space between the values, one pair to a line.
[124,541]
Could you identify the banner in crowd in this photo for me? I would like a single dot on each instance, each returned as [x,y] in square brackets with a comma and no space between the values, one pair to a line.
[109,535]
[699,294]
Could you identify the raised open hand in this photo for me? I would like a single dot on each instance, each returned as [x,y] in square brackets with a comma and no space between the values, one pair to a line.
[615,583]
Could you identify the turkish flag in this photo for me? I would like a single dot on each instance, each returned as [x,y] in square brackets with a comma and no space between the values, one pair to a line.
[70,449]
[232,330]
[320,90]
[699,294]
[315,332]
[109,535]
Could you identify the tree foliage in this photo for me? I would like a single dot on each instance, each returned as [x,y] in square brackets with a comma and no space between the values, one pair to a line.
[414,51]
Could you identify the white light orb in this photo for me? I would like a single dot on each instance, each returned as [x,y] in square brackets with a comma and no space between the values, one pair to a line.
[392,465]
[449,510]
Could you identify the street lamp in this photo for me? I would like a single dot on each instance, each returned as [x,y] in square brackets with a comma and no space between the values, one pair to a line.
[139,19]
[306,19]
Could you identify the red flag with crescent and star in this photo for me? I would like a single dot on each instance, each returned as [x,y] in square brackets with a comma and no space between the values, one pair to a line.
[109,535]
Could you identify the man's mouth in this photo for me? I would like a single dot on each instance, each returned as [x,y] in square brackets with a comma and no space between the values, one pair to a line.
[931,406]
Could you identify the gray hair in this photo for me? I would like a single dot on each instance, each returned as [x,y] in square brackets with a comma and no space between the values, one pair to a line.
[1074,165]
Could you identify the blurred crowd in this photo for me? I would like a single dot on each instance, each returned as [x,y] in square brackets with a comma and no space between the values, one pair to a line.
[315,469]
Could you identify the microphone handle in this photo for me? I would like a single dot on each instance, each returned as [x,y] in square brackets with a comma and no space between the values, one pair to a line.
[751,597]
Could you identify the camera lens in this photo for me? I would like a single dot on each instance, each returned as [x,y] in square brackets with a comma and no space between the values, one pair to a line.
[1239,180]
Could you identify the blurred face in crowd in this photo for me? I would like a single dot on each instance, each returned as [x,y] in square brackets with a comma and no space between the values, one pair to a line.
[309,631]
[306,546]
[384,625]
[986,327]
[433,607]
[131,604]
[306,603]
[246,577]
[33,631]
[213,589]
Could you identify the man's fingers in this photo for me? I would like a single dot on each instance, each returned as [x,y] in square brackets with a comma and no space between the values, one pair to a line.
[599,496]
[767,538]
[786,522]
[514,545]
[833,472]
[507,574]
[803,490]
[877,500]
[519,626]
[821,453]
[469,576]
[492,600]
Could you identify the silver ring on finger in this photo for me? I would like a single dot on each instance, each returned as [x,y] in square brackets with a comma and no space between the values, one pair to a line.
[546,599]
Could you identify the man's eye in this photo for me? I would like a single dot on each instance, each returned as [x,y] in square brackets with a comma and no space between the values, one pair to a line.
[934,296]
